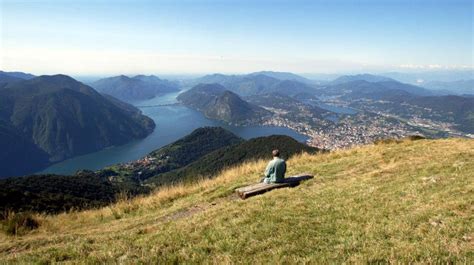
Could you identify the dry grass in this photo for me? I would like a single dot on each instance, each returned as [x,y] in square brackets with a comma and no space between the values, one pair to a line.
[409,202]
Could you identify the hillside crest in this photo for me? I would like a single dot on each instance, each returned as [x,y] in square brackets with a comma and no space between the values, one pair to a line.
[411,199]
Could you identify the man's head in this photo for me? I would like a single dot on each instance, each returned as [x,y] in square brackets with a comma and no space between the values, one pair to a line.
[276,153]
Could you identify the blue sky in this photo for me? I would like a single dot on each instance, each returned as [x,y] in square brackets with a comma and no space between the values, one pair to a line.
[111,37]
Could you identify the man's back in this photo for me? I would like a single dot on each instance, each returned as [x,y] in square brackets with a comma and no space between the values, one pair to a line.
[275,171]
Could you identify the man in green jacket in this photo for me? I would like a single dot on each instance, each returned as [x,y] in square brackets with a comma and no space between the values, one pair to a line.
[276,169]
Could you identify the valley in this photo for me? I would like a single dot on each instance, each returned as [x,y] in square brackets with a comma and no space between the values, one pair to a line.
[129,129]
[353,110]
[173,122]
[203,130]
[349,111]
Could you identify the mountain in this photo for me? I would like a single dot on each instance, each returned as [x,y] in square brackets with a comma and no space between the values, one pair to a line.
[289,88]
[416,90]
[256,84]
[5,79]
[213,163]
[458,87]
[18,153]
[178,154]
[218,79]
[136,88]
[403,202]
[457,109]
[218,103]
[376,90]
[194,145]
[20,75]
[282,76]
[243,85]
[10,77]
[361,77]
[64,118]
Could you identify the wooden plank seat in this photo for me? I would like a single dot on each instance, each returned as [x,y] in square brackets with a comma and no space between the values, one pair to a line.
[259,188]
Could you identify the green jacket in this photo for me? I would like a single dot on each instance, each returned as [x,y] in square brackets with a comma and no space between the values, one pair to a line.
[275,171]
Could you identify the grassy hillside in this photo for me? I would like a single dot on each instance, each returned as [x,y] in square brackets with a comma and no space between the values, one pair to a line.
[395,202]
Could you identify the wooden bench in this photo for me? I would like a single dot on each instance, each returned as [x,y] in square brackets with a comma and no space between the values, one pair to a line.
[260,188]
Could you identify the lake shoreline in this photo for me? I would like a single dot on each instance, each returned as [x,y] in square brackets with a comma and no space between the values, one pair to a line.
[173,122]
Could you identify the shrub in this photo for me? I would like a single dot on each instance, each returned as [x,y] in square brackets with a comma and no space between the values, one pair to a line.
[19,223]
[416,137]
[116,214]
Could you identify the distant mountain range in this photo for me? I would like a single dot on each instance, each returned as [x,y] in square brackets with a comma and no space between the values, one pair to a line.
[361,77]
[265,91]
[420,77]
[202,154]
[283,76]
[57,117]
[260,83]
[10,77]
[131,89]
[20,75]
[5,79]
[267,82]
[459,87]
[379,89]
[215,102]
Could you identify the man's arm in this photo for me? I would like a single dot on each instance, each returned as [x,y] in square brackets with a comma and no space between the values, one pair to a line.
[268,169]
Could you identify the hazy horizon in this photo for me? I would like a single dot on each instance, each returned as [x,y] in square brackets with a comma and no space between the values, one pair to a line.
[402,76]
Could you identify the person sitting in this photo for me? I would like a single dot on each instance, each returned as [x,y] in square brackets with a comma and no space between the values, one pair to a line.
[276,169]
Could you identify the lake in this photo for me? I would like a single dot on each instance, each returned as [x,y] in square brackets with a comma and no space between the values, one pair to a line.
[172,122]
[337,109]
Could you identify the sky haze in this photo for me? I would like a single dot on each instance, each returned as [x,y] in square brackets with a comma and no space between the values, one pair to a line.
[111,37]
